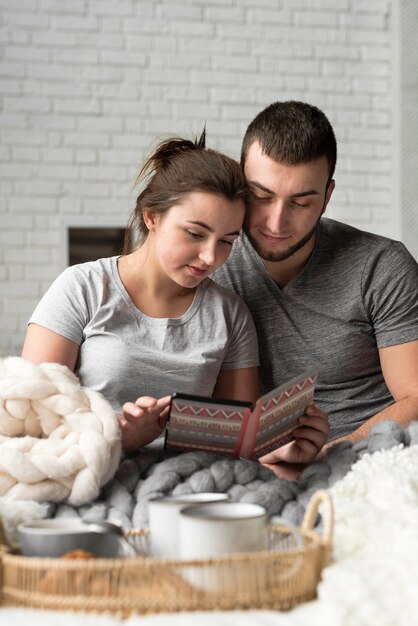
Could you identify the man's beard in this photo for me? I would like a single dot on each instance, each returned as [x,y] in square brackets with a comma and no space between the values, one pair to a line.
[268,255]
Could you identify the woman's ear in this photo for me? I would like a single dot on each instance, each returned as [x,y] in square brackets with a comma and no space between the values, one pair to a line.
[150,218]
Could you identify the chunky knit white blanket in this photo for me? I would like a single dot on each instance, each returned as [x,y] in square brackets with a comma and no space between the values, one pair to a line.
[58,440]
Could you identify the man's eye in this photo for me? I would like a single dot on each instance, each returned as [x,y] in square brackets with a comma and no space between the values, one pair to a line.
[302,204]
[264,199]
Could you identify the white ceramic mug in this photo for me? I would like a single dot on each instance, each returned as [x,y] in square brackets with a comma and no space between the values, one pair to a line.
[219,530]
[164,512]
[222,528]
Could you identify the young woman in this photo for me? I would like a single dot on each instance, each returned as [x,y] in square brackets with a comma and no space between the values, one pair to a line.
[150,322]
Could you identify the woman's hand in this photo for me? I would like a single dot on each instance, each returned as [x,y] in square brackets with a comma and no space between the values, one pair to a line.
[143,421]
[309,437]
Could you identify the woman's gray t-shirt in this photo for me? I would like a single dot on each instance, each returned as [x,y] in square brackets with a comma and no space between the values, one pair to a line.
[125,354]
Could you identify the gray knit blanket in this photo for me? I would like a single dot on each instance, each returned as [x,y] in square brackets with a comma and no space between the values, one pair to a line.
[156,472]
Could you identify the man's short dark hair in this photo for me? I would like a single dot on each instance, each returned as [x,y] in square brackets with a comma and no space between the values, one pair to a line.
[292,133]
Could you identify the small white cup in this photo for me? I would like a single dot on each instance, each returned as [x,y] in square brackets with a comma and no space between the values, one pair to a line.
[222,528]
[164,513]
[218,530]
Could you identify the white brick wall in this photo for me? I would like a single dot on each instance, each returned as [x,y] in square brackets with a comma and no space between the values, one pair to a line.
[87,85]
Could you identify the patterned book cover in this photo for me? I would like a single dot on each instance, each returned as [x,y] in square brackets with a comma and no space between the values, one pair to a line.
[210,424]
[238,429]
[279,412]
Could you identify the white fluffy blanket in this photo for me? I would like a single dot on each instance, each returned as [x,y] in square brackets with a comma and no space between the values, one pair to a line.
[375,576]
[58,440]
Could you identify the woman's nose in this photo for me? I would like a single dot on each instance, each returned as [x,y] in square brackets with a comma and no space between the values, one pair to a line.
[207,254]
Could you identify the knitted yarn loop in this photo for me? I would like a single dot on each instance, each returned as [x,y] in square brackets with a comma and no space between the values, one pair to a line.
[58,440]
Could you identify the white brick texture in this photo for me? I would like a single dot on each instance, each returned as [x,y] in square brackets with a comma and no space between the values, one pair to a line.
[88,85]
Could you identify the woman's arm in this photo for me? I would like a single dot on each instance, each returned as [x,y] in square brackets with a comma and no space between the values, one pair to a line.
[241,384]
[140,422]
[44,346]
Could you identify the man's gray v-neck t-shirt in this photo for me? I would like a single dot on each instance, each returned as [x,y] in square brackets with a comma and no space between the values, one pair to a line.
[357,293]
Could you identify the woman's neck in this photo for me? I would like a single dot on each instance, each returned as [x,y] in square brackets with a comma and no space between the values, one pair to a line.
[152,292]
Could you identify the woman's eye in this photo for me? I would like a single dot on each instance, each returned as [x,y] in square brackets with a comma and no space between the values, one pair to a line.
[227,241]
[194,235]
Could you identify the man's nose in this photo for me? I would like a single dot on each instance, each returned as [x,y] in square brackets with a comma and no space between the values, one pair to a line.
[276,216]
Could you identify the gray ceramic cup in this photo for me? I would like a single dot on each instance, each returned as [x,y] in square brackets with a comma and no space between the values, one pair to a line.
[55,537]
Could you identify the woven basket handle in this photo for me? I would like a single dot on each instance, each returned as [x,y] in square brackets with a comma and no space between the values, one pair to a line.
[3,541]
[320,497]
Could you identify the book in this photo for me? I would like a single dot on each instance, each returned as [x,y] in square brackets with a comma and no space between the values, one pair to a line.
[235,428]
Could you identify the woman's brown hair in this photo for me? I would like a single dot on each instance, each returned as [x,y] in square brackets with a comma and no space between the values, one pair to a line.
[175,169]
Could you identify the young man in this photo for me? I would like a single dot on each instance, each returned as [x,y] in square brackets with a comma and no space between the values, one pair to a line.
[321,291]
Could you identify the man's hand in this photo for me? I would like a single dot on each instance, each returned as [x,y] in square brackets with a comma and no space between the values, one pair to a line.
[143,421]
[309,437]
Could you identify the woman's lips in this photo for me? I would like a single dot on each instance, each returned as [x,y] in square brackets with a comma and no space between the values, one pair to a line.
[196,271]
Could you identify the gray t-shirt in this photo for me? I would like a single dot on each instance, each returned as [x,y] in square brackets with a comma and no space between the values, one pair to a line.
[357,293]
[125,354]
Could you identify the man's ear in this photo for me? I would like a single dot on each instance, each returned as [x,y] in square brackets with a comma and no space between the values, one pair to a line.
[329,191]
[150,218]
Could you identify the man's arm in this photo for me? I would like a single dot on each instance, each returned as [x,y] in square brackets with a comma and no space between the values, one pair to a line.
[400,370]
[290,460]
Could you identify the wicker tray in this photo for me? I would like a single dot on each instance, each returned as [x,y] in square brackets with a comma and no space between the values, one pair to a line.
[259,580]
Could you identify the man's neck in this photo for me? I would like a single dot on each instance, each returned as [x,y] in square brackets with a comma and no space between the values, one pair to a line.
[283,272]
